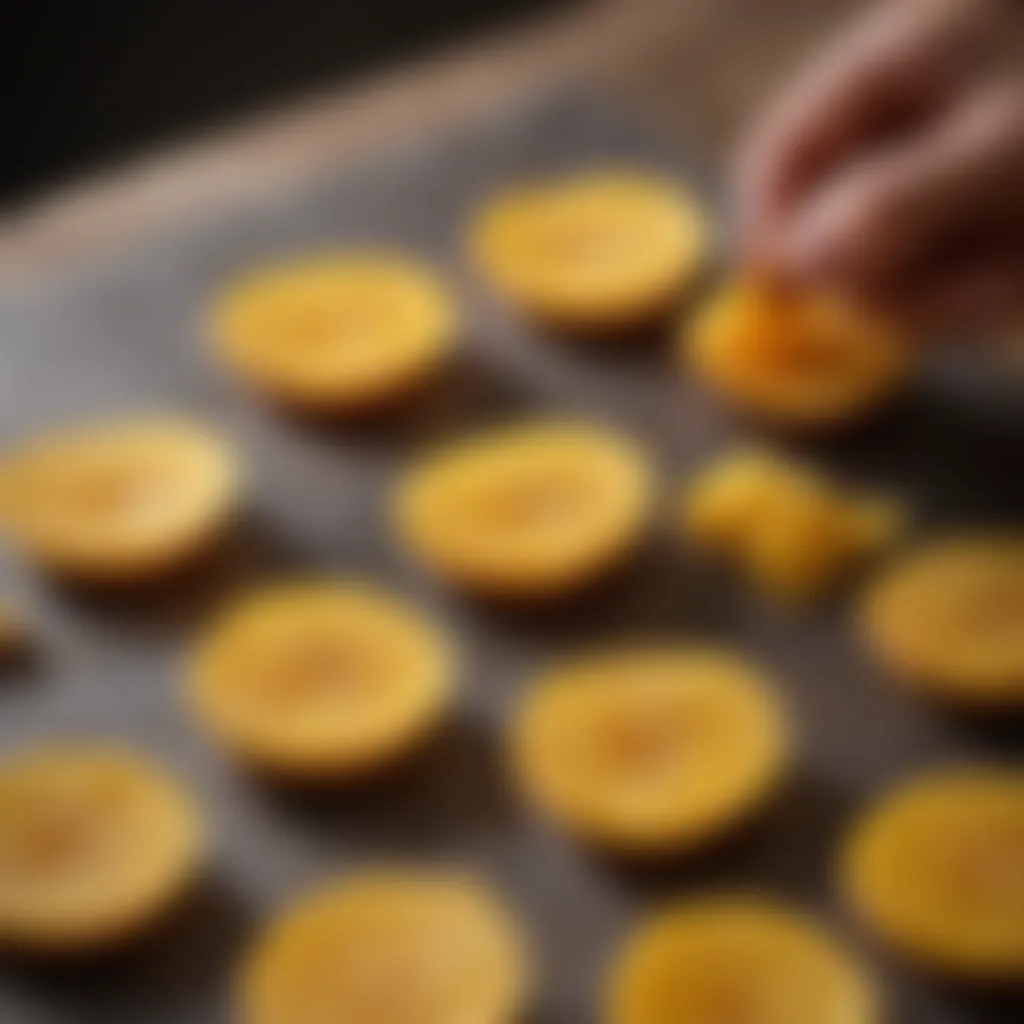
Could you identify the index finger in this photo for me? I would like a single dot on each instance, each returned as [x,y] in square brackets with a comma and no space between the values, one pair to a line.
[893,68]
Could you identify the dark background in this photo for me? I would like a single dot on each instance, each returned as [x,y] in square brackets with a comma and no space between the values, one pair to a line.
[84,82]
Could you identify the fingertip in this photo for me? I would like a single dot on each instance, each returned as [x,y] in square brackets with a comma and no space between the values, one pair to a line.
[813,245]
[852,233]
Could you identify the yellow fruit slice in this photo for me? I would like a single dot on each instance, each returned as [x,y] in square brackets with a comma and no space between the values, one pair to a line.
[731,959]
[119,501]
[337,332]
[795,360]
[794,531]
[650,750]
[529,511]
[389,947]
[950,618]
[601,249]
[937,871]
[96,843]
[321,679]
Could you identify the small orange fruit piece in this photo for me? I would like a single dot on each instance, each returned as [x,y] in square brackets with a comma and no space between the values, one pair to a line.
[795,360]
[792,529]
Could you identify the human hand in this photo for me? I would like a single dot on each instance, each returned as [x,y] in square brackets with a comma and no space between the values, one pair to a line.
[894,168]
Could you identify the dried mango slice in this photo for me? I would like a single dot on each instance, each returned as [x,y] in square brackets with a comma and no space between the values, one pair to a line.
[950,618]
[601,249]
[731,959]
[321,679]
[795,360]
[795,532]
[650,750]
[96,843]
[119,501]
[337,332]
[529,511]
[389,947]
[937,871]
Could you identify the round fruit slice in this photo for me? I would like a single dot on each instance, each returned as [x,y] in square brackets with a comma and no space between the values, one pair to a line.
[795,360]
[337,332]
[95,844]
[937,871]
[530,511]
[389,947]
[120,501]
[650,750]
[727,960]
[601,249]
[321,679]
[950,618]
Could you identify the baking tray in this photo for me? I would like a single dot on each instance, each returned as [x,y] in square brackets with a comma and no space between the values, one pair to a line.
[122,335]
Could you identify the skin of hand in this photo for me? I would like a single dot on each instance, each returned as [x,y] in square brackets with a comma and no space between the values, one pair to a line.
[893,169]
